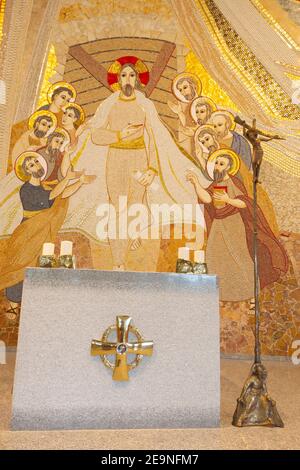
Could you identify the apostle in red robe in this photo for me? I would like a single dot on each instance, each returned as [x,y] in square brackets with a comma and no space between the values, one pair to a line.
[229,222]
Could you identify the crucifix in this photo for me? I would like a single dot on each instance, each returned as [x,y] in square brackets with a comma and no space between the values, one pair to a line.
[254,406]
[121,348]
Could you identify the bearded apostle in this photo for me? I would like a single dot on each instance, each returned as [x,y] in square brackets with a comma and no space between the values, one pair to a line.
[206,143]
[185,87]
[59,95]
[56,154]
[43,214]
[229,222]
[201,110]
[40,125]
[223,123]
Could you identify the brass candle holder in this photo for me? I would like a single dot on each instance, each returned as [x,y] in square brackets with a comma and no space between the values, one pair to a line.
[184,266]
[199,268]
[47,261]
[67,261]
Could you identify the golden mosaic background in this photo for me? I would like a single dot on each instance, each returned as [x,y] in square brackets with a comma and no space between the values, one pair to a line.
[269,94]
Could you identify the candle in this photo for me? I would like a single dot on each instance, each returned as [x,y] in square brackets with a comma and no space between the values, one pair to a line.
[184,253]
[199,256]
[48,249]
[66,248]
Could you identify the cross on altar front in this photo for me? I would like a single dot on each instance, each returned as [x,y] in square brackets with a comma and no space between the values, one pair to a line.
[121,348]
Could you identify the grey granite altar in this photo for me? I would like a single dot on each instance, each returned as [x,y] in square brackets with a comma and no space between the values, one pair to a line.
[59,385]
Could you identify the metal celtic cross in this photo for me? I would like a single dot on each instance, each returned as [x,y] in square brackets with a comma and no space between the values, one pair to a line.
[121,348]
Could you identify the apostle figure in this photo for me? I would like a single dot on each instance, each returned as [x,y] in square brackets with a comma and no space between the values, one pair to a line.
[223,123]
[59,95]
[58,162]
[229,222]
[40,125]
[201,110]
[43,215]
[211,136]
[56,154]
[206,143]
[129,147]
[185,87]
[73,122]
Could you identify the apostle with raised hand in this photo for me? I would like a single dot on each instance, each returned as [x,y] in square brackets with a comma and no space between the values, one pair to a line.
[229,223]
[44,211]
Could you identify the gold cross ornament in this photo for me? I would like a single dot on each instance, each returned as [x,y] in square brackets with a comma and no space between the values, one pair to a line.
[121,348]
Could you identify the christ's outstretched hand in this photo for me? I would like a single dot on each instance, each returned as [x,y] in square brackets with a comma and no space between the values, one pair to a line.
[147,177]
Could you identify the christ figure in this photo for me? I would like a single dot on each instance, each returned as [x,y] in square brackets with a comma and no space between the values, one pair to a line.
[123,132]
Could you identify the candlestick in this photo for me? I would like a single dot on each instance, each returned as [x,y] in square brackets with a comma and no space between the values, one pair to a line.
[66,248]
[199,256]
[184,265]
[184,253]
[199,266]
[47,259]
[66,258]
[48,249]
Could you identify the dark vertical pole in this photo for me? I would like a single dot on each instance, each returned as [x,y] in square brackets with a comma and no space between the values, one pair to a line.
[255,168]
[256,267]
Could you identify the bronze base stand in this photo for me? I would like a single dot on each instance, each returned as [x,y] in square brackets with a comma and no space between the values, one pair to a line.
[254,406]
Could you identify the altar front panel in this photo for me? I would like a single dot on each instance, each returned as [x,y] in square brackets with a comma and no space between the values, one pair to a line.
[58,385]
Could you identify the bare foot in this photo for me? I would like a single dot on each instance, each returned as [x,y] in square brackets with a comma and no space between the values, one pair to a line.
[252,307]
[119,267]
[137,243]
[13,312]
